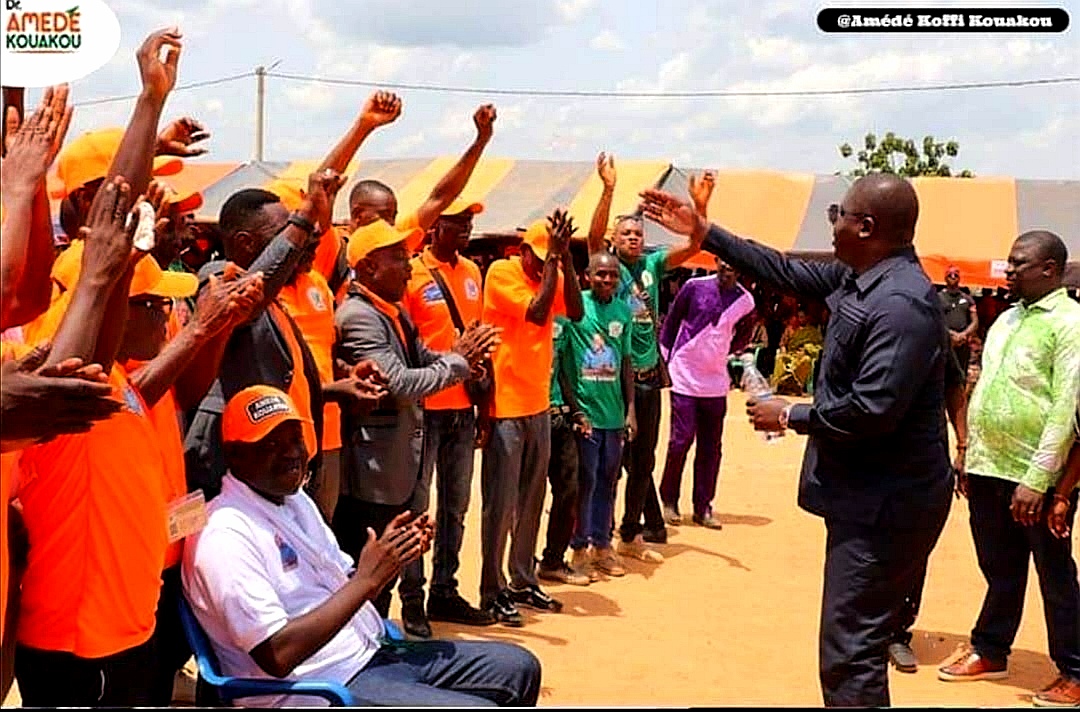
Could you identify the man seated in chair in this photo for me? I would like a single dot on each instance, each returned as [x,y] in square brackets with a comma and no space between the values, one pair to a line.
[279,599]
[800,347]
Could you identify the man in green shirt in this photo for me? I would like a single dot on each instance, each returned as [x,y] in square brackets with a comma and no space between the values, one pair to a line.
[562,471]
[1021,421]
[639,288]
[596,358]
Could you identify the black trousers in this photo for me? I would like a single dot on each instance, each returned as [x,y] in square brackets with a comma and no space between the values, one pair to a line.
[1004,548]
[352,517]
[53,679]
[563,476]
[171,646]
[639,459]
[869,572]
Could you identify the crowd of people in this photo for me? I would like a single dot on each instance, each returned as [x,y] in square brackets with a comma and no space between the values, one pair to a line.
[275,438]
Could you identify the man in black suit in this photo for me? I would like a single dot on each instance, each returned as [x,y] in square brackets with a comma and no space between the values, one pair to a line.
[876,466]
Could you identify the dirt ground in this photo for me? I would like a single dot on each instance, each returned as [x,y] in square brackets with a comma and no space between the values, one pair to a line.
[731,617]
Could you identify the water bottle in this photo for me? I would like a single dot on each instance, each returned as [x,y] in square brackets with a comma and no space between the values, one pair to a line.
[756,386]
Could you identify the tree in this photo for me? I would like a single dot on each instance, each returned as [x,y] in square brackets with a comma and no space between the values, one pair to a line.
[902,157]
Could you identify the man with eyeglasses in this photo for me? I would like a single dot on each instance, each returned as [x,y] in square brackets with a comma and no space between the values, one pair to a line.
[876,466]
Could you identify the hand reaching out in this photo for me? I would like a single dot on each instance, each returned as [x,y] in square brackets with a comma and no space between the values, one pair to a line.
[41,403]
[677,216]
[179,138]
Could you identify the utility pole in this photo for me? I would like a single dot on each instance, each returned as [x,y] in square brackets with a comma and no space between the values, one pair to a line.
[260,101]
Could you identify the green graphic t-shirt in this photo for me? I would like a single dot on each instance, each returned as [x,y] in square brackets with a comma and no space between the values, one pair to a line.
[594,351]
[649,270]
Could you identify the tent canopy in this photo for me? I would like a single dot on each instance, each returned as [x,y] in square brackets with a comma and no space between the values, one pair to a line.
[968,222]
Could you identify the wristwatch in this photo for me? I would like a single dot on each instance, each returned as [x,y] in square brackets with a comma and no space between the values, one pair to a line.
[301,222]
[785,414]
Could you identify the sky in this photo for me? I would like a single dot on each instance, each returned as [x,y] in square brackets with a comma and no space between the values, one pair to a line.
[627,45]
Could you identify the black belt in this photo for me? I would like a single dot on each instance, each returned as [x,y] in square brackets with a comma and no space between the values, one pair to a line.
[559,410]
[645,375]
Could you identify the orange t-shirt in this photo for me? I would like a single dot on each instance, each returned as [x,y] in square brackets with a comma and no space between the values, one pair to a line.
[425,305]
[523,360]
[331,243]
[165,417]
[95,512]
[311,305]
[7,491]
[299,389]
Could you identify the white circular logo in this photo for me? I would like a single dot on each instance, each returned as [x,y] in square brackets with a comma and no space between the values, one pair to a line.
[615,329]
[54,41]
[472,290]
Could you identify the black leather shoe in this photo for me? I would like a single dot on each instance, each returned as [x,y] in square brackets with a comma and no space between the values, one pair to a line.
[655,536]
[903,657]
[533,597]
[455,609]
[415,622]
[503,610]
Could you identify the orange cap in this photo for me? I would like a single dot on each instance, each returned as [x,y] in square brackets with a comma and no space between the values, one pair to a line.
[536,236]
[290,192]
[187,201]
[460,206]
[149,278]
[252,413]
[88,158]
[375,236]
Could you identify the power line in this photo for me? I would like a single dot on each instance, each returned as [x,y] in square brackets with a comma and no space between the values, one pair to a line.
[674,94]
[182,87]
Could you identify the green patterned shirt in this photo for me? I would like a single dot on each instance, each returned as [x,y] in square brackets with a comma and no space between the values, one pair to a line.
[1021,421]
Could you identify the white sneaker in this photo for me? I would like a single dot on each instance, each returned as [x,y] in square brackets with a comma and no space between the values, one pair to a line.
[637,549]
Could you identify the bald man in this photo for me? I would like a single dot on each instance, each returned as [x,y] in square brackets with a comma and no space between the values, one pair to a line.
[876,466]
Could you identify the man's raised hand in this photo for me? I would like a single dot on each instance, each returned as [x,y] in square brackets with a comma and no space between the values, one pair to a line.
[380,109]
[677,216]
[484,118]
[158,74]
[605,168]
[701,189]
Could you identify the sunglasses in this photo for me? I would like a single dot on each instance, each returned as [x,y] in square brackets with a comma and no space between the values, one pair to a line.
[161,304]
[835,212]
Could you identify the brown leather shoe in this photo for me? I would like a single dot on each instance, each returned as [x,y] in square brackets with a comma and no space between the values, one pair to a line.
[1062,692]
[970,667]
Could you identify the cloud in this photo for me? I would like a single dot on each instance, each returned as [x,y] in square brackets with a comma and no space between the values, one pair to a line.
[607,41]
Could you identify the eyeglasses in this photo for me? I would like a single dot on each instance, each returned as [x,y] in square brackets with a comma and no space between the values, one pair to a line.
[835,212]
[161,304]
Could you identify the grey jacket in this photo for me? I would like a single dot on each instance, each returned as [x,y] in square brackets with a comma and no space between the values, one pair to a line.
[382,451]
[255,354]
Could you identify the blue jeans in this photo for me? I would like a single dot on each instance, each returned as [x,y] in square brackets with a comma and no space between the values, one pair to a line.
[601,458]
[448,451]
[445,673]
